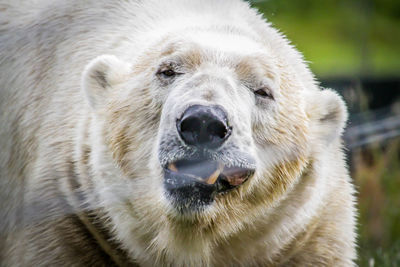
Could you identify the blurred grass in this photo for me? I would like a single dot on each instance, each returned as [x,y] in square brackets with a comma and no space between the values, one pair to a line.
[376,172]
[341,37]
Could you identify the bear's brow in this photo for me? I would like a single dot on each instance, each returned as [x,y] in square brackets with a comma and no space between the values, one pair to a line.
[246,66]
[249,66]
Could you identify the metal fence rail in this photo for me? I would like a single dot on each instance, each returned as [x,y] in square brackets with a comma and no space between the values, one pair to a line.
[372,131]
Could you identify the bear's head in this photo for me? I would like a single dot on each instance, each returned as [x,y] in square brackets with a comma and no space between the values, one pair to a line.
[202,131]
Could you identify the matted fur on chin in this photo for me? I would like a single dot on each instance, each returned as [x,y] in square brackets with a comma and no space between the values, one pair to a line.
[166,133]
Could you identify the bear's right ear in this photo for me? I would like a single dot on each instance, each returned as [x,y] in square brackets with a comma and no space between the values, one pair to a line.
[100,75]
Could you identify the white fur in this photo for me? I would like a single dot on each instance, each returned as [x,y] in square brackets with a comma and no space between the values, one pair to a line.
[82,74]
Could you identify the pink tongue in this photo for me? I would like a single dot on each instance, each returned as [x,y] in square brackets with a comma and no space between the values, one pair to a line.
[234,175]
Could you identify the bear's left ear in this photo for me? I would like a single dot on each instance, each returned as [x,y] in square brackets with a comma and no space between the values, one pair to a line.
[99,77]
[328,114]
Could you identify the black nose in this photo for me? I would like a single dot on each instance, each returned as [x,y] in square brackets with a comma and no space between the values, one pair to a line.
[204,126]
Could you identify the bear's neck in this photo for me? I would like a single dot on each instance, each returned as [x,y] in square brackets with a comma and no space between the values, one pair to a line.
[82,196]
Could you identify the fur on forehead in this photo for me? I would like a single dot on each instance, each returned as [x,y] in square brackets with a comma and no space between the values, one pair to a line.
[250,59]
[222,38]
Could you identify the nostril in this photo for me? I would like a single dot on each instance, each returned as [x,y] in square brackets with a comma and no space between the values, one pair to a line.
[191,125]
[218,129]
[190,130]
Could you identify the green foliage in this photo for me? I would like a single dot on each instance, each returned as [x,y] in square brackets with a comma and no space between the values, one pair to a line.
[341,37]
[379,257]
[376,172]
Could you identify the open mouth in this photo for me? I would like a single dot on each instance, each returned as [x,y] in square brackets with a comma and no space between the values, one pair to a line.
[195,182]
[208,172]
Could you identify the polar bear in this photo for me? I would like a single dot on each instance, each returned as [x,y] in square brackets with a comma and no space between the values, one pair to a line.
[165,133]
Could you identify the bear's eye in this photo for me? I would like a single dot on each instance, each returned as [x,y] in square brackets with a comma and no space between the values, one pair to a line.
[264,93]
[168,73]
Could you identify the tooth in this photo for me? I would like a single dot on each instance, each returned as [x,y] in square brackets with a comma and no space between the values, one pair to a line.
[172,167]
[214,176]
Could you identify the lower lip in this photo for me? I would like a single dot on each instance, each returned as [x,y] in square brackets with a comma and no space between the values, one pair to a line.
[187,193]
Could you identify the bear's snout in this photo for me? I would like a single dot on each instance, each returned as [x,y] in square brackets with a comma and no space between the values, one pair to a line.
[204,126]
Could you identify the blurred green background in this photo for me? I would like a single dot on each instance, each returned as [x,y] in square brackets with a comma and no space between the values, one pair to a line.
[353,46]
[341,37]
